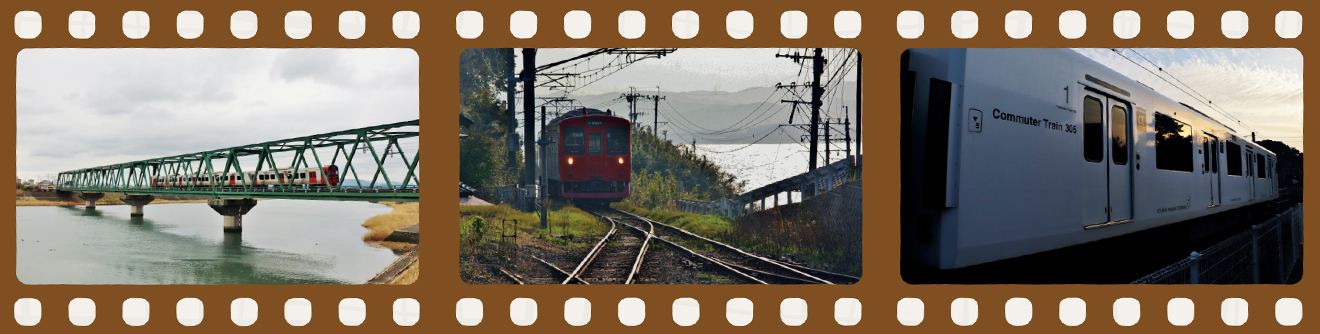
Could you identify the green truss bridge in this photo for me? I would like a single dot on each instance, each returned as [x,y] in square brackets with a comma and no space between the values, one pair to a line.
[365,164]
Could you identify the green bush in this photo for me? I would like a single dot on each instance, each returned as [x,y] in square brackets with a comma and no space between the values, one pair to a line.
[660,166]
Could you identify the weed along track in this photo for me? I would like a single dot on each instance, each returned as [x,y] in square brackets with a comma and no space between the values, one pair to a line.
[630,253]
[637,250]
[748,267]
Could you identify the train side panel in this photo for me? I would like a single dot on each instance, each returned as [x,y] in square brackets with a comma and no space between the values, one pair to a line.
[1019,151]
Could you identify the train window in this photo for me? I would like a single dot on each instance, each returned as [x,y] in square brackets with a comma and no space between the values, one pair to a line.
[1214,160]
[616,140]
[1118,135]
[1251,169]
[1234,159]
[1093,129]
[1260,166]
[302,175]
[574,140]
[593,143]
[1173,144]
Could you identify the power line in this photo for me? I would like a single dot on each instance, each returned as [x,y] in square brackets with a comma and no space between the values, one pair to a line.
[763,137]
[1206,102]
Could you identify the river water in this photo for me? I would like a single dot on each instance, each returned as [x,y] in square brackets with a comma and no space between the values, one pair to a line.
[283,242]
[761,164]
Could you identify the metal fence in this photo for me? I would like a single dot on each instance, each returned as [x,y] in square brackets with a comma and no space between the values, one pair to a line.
[1267,253]
[519,198]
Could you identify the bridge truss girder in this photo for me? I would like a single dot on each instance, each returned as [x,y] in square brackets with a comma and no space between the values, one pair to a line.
[136,177]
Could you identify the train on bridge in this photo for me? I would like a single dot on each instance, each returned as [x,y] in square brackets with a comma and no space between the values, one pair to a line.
[312,177]
[1011,152]
[589,156]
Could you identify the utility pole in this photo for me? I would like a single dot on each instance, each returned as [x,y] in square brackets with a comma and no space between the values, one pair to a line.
[631,96]
[655,119]
[511,141]
[817,67]
[829,127]
[847,137]
[545,198]
[529,115]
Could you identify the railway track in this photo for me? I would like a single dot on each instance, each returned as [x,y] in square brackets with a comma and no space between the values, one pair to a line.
[616,259]
[741,264]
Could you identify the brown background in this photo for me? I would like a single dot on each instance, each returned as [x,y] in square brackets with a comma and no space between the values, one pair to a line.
[438,47]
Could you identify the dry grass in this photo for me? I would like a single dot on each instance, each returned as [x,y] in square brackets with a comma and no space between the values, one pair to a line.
[29,201]
[381,226]
[109,199]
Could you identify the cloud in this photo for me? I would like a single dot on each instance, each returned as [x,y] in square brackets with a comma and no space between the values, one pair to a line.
[1261,87]
[80,108]
[321,65]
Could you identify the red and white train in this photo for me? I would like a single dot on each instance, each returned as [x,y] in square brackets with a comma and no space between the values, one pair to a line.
[314,177]
[589,156]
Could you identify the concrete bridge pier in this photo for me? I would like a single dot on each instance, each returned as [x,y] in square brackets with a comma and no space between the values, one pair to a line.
[91,198]
[233,209]
[137,201]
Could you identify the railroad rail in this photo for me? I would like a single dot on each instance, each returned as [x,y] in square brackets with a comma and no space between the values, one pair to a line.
[613,267]
[745,265]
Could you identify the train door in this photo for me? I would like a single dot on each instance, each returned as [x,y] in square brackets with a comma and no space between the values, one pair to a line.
[1107,171]
[1251,174]
[1120,170]
[1210,167]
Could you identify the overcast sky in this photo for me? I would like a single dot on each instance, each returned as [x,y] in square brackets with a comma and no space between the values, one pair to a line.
[728,70]
[705,70]
[1261,87]
[81,108]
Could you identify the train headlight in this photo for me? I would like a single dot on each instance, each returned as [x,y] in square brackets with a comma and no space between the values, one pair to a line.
[620,160]
[570,161]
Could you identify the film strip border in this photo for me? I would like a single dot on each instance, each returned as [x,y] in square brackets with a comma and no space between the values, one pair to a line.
[685,311]
[686,24]
[910,24]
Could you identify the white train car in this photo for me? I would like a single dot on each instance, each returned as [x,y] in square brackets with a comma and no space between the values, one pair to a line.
[1010,152]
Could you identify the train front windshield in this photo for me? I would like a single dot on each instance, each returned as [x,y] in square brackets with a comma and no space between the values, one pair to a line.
[616,140]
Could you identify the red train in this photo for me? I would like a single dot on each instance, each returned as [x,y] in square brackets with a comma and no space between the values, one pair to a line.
[589,156]
[313,177]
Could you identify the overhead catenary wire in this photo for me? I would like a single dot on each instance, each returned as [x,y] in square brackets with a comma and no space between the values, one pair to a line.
[1194,97]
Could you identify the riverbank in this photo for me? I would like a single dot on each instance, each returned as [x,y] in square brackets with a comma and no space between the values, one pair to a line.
[407,268]
[109,199]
